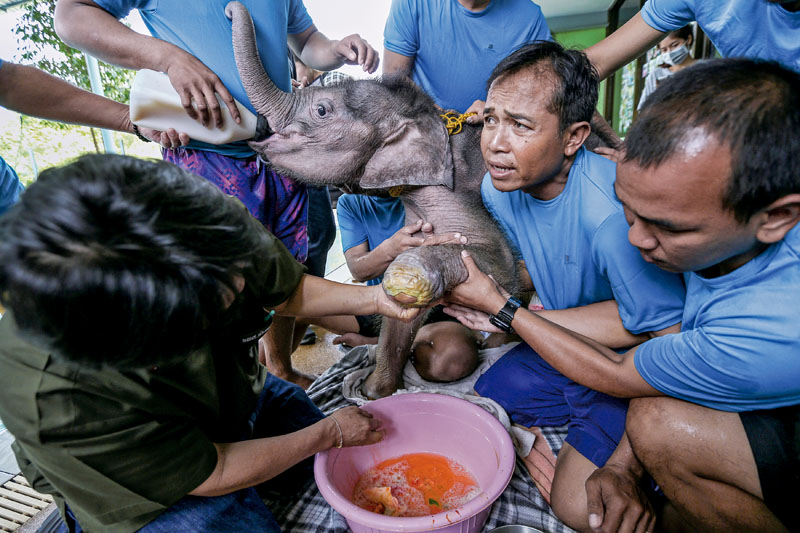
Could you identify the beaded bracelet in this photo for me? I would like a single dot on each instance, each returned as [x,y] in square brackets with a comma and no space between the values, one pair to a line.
[139,134]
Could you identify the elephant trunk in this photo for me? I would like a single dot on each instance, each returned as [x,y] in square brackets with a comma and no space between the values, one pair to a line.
[264,95]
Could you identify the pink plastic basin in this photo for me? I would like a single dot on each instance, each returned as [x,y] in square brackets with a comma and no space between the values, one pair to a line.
[415,423]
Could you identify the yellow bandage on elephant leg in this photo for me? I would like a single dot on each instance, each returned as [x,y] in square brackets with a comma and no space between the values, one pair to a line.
[409,280]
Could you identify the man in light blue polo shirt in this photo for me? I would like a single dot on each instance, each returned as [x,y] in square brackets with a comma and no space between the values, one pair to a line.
[449,47]
[763,29]
[555,200]
[710,188]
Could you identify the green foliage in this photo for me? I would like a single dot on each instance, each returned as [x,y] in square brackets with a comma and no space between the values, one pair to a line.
[38,40]
[30,144]
[24,140]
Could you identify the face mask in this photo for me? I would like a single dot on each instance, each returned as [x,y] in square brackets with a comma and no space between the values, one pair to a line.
[675,56]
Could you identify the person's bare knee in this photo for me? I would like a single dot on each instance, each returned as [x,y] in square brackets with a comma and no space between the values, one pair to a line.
[703,462]
[568,498]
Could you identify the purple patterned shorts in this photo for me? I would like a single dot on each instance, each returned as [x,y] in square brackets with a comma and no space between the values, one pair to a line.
[279,203]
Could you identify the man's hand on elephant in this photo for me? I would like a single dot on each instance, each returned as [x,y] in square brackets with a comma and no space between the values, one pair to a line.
[471,318]
[477,108]
[197,85]
[356,51]
[433,239]
[616,502]
[402,240]
[394,307]
[358,427]
[479,291]
[406,237]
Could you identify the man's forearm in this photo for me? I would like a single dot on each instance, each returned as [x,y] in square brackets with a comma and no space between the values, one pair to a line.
[371,264]
[84,25]
[319,297]
[317,52]
[598,321]
[580,358]
[394,62]
[624,45]
[31,91]
[248,463]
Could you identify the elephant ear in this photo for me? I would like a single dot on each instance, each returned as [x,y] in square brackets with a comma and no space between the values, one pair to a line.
[411,156]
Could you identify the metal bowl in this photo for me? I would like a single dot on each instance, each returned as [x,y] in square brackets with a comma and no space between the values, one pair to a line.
[516,529]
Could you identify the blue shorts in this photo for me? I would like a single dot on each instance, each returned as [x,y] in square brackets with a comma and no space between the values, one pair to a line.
[533,393]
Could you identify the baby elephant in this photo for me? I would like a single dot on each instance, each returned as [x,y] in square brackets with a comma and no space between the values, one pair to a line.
[383,137]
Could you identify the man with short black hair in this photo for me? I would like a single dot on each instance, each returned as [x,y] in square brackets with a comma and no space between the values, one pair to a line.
[129,374]
[555,201]
[711,188]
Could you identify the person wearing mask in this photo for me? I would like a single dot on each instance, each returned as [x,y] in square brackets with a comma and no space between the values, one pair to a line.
[763,29]
[674,54]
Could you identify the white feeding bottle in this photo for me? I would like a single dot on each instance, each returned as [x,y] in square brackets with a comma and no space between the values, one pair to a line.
[155,104]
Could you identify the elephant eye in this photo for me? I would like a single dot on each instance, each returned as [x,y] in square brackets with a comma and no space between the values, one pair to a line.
[321,111]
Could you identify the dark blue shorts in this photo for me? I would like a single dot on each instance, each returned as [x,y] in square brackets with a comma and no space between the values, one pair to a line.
[533,393]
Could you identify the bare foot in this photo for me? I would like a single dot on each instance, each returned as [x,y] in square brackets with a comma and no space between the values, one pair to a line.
[354,339]
[299,378]
[541,464]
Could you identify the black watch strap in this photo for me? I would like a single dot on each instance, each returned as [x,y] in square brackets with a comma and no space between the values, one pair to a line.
[505,315]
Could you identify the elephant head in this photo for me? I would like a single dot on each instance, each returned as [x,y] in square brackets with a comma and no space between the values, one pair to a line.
[360,135]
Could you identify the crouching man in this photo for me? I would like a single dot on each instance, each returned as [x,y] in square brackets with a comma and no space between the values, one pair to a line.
[136,294]
[710,185]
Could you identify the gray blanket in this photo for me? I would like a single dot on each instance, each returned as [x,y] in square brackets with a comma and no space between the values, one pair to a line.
[520,503]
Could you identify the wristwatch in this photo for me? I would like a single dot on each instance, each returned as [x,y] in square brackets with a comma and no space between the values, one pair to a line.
[504,316]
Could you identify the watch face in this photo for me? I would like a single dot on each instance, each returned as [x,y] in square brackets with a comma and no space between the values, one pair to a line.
[500,322]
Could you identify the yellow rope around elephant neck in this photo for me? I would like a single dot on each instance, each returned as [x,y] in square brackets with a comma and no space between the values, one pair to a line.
[454,122]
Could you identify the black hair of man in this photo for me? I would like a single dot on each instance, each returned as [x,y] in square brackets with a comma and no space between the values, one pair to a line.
[575,94]
[751,106]
[116,261]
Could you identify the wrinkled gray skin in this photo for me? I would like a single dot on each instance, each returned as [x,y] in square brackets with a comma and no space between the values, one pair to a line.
[367,136]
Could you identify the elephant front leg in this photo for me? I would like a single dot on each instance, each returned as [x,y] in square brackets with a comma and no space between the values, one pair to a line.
[420,276]
[394,347]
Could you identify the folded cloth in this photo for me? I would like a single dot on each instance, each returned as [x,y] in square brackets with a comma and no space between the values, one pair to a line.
[353,390]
